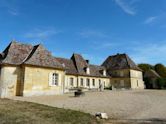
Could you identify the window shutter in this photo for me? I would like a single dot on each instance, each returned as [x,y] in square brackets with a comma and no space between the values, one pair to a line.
[50,79]
[59,80]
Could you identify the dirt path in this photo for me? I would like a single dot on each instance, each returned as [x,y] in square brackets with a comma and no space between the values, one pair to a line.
[133,105]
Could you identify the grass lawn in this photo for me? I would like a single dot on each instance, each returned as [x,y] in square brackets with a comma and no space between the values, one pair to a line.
[17,112]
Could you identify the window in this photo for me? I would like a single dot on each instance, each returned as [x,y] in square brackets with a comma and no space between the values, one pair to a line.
[87,82]
[71,81]
[99,81]
[54,79]
[121,74]
[93,82]
[104,72]
[104,84]
[87,70]
[137,83]
[82,82]
[122,83]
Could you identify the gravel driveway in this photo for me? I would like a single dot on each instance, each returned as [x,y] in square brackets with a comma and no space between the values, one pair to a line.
[133,105]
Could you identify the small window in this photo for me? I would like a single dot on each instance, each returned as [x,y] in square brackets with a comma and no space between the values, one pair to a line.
[82,82]
[93,82]
[54,79]
[121,74]
[99,81]
[137,83]
[87,82]
[104,84]
[71,81]
[122,83]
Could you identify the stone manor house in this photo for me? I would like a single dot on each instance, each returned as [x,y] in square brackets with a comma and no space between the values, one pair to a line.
[27,70]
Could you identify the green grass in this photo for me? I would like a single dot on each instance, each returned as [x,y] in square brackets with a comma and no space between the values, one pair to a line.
[17,112]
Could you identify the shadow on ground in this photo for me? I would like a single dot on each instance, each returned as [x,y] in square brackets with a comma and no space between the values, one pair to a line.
[138,121]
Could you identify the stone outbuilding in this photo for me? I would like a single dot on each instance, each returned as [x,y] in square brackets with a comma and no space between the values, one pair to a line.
[125,74]
[152,76]
[27,70]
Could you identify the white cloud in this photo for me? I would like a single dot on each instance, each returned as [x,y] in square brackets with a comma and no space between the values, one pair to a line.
[149,53]
[127,6]
[41,33]
[106,45]
[150,20]
[13,12]
[11,7]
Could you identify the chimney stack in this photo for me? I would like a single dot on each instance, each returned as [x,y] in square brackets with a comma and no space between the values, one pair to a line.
[87,61]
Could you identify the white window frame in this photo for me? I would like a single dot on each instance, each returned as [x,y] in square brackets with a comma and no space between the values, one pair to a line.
[71,81]
[87,82]
[93,82]
[81,81]
[54,79]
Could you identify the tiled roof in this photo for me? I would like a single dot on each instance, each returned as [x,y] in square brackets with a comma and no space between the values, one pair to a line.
[68,65]
[120,61]
[151,74]
[15,53]
[96,70]
[18,53]
[77,64]
[80,63]
[39,56]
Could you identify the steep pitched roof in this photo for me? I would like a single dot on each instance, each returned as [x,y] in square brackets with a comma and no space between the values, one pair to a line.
[80,63]
[120,61]
[15,53]
[18,53]
[77,64]
[96,70]
[68,65]
[151,74]
[39,56]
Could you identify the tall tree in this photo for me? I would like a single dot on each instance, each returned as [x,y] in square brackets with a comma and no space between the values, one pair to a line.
[160,69]
[145,67]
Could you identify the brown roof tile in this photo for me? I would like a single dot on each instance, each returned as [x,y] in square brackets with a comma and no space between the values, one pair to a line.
[68,65]
[151,74]
[77,64]
[120,61]
[15,53]
[39,56]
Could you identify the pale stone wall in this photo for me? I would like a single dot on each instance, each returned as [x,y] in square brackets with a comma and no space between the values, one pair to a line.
[120,83]
[68,85]
[121,73]
[10,80]
[77,82]
[127,78]
[36,81]
[136,79]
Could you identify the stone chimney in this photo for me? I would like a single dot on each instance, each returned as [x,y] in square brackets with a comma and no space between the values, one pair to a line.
[87,61]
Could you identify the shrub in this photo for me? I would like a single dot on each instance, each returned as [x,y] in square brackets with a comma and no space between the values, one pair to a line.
[161,82]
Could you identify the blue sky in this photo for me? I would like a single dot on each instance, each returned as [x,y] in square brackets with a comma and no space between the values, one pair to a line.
[93,28]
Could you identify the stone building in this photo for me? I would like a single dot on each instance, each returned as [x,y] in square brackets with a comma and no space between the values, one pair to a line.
[27,70]
[151,76]
[125,74]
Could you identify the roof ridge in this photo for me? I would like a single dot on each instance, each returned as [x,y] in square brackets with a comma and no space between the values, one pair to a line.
[61,58]
[31,53]
[126,57]
[74,61]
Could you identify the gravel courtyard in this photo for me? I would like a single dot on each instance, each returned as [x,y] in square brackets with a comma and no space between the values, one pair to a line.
[132,105]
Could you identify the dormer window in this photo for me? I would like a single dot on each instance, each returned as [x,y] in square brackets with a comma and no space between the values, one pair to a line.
[87,70]
[104,72]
